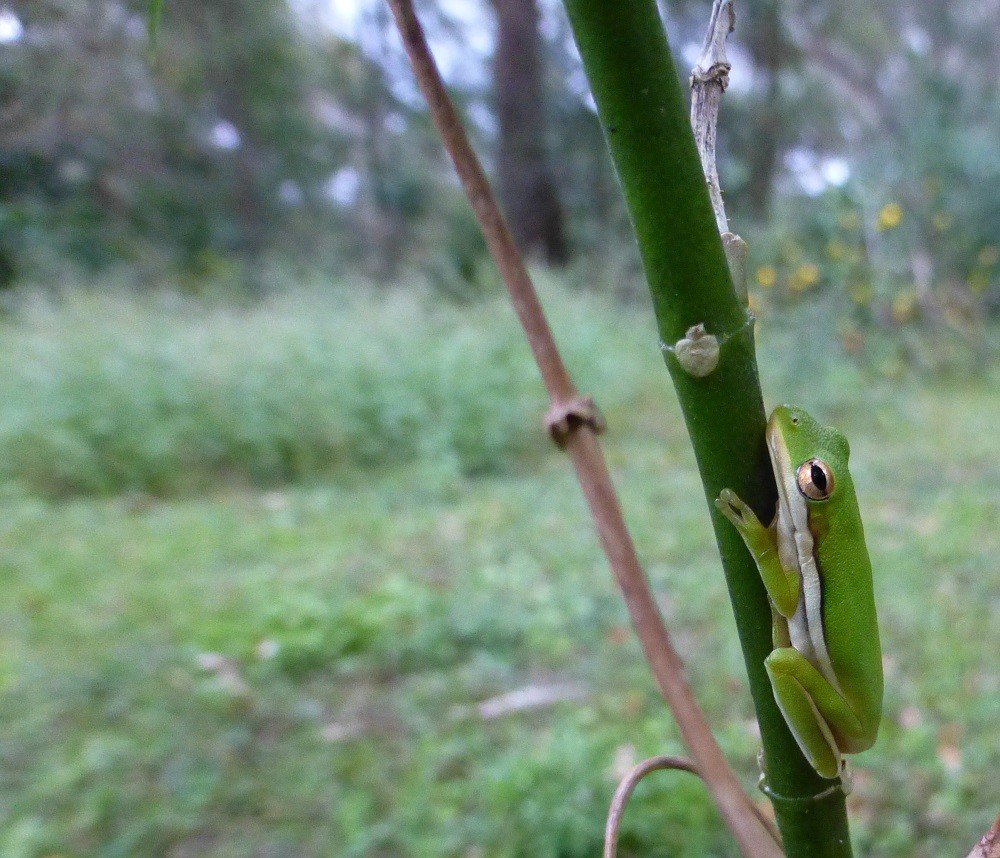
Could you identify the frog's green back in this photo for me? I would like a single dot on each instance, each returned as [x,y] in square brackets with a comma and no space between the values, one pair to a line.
[849,621]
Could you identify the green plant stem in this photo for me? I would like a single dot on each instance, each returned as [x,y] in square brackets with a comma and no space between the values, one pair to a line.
[643,113]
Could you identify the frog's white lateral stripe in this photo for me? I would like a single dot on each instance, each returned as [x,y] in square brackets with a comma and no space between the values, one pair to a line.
[806,626]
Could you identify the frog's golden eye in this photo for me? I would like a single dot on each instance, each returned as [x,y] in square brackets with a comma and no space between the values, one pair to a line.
[815,479]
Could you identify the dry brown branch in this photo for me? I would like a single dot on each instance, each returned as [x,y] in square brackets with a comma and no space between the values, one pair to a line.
[628,784]
[582,445]
[989,846]
[709,79]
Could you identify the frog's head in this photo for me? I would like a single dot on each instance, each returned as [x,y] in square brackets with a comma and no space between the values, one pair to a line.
[806,454]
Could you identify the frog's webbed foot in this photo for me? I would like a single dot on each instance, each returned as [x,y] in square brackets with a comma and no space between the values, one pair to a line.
[734,509]
[814,710]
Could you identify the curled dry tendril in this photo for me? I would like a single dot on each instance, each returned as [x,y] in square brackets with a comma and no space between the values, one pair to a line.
[628,785]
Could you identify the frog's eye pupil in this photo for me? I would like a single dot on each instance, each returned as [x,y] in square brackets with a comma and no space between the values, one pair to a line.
[815,480]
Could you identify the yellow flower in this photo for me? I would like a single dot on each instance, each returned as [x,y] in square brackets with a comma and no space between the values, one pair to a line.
[942,221]
[989,256]
[978,281]
[805,276]
[767,276]
[836,249]
[904,306]
[861,293]
[849,221]
[890,217]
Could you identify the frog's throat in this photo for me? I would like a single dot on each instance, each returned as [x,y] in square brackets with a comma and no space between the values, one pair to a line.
[806,627]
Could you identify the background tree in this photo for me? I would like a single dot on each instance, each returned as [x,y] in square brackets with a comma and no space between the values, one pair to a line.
[315,152]
[527,186]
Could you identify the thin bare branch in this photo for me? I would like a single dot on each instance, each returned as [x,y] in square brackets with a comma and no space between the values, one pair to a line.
[628,785]
[631,780]
[498,238]
[989,846]
[581,443]
[709,79]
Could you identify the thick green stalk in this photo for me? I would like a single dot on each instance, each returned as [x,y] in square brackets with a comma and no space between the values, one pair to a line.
[643,112]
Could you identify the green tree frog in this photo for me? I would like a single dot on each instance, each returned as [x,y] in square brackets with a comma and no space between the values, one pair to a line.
[826,665]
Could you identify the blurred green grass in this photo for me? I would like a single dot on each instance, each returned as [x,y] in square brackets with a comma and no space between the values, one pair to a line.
[110,392]
[262,567]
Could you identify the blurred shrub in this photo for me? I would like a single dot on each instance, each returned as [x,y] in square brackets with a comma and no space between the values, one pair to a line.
[896,285]
[104,393]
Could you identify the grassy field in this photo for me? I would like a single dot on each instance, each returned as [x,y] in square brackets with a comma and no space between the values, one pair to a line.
[306,579]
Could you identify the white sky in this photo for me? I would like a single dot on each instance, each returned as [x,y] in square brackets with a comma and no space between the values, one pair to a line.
[11,28]
[344,18]
[812,173]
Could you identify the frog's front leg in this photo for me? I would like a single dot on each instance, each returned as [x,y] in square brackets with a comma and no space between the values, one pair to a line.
[821,720]
[782,585]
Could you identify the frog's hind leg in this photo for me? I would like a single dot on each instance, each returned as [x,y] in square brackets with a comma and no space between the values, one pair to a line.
[809,703]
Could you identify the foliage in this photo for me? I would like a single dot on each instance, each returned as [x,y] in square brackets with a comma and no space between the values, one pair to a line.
[833,256]
[318,150]
[298,670]
[117,389]
[108,158]
[112,391]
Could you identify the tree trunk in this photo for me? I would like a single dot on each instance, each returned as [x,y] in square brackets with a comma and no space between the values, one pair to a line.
[763,156]
[527,187]
[770,53]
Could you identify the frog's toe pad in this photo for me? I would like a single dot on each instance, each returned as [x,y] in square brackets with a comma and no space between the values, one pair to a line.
[730,505]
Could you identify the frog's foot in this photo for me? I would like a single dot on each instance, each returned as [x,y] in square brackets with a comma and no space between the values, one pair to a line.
[846,776]
[734,509]
[812,707]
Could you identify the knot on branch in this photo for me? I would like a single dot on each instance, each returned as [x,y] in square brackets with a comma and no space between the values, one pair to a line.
[697,352]
[989,846]
[713,64]
[564,418]
[715,73]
